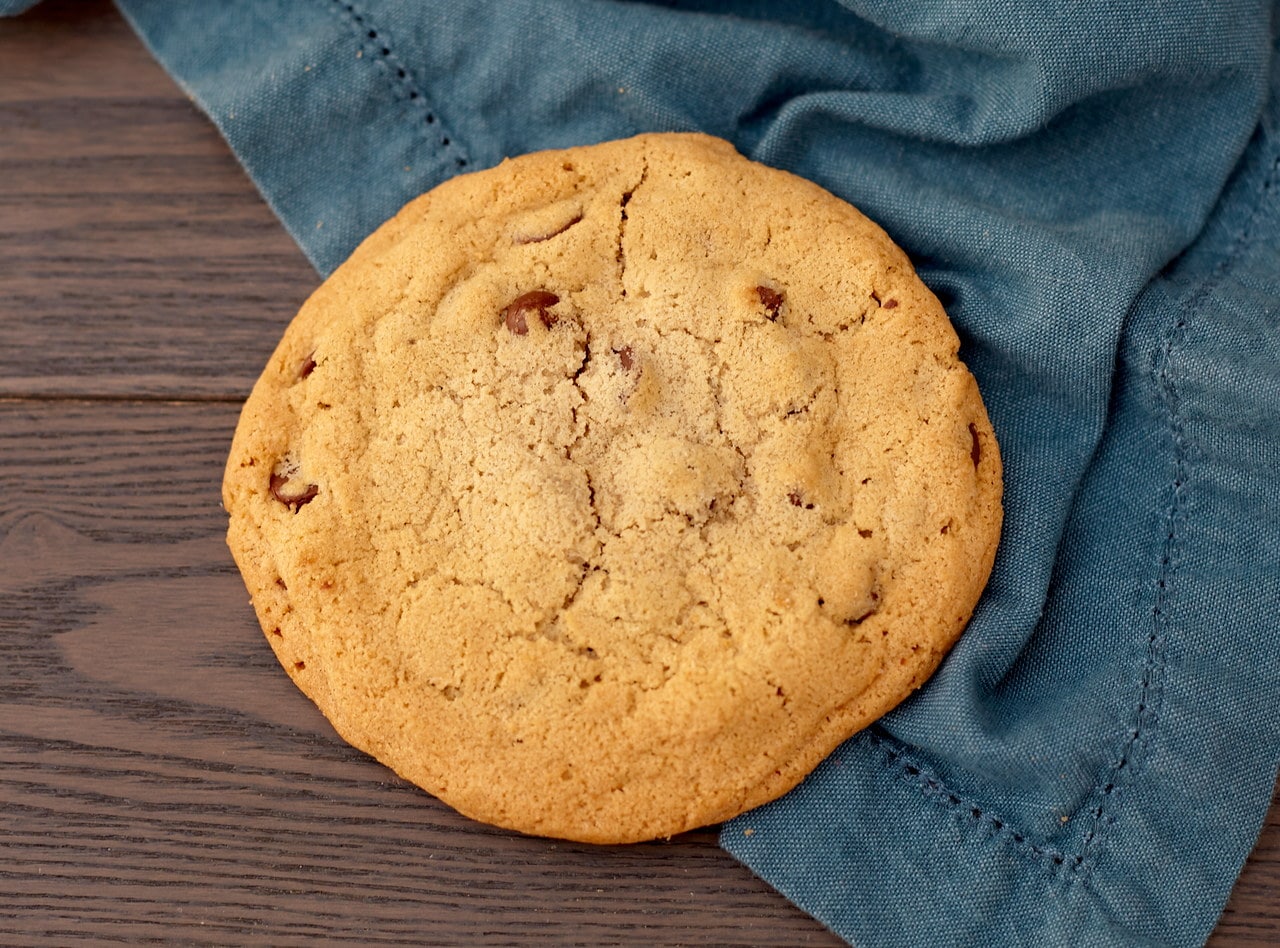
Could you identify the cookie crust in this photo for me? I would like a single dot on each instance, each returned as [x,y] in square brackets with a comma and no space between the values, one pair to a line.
[605,492]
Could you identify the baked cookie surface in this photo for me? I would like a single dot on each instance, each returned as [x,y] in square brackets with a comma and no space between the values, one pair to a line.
[603,493]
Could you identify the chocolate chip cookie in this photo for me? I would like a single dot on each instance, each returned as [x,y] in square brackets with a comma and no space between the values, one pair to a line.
[603,493]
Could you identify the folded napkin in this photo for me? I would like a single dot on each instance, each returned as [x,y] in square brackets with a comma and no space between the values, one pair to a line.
[1093,190]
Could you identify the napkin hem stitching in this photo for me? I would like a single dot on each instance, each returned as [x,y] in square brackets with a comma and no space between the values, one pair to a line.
[1151,689]
[403,83]
[932,786]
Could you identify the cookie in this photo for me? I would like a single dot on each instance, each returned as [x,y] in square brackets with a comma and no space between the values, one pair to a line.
[603,493]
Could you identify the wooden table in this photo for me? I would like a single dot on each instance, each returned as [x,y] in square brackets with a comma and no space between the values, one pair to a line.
[159,777]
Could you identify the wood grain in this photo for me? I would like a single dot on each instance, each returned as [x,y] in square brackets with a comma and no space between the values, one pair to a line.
[127,229]
[160,779]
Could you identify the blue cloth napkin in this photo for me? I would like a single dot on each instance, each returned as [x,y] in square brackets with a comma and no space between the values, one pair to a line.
[1093,190]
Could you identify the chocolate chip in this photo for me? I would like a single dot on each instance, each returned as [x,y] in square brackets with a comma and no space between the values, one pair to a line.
[770,299]
[626,357]
[798,501]
[890,304]
[535,301]
[516,322]
[308,366]
[292,497]
[975,449]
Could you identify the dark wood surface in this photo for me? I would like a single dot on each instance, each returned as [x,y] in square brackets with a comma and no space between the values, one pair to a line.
[160,779]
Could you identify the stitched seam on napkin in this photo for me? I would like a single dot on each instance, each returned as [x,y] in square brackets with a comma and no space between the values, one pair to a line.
[1150,690]
[375,46]
[1057,861]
